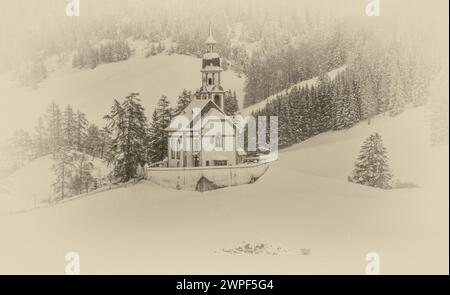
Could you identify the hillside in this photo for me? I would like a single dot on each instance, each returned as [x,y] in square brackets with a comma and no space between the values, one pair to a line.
[92,91]
[31,185]
[303,205]
[260,105]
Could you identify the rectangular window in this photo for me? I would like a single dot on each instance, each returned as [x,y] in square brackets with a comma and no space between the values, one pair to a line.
[220,162]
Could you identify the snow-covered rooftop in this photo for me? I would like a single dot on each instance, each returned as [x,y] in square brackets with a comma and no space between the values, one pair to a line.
[195,104]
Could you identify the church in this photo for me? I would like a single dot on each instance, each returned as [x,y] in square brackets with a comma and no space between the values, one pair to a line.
[208,103]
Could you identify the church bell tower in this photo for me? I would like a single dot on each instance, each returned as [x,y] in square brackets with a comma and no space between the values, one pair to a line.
[211,72]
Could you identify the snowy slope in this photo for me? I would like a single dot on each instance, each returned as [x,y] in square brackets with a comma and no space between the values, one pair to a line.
[32,184]
[93,91]
[303,204]
[260,105]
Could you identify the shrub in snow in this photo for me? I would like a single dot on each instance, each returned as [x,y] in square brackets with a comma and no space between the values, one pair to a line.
[371,167]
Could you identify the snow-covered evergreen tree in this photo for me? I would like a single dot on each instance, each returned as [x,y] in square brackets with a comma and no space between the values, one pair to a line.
[158,136]
[350,109]
[368,99]
[105,141]
[129,127]
[285,128]
[54,127]
[324,92]
[183,100]
[69,127]
[231,105]
[345,103]
[80,130]
[371,167]
[397,97]
[339,107]
[93,141]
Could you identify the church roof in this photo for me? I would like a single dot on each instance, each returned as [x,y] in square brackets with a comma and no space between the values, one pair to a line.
[196,103]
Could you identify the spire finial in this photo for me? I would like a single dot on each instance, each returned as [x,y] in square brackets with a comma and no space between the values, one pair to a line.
[210,40]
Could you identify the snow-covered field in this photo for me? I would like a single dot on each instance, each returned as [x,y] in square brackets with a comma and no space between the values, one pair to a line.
[93,91]
[303,207]
[32,184]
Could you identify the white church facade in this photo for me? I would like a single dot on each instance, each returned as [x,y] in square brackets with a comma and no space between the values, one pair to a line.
[207,106]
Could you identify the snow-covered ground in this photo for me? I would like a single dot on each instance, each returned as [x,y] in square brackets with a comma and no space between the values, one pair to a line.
[93,91]
[32,184]
[303,207]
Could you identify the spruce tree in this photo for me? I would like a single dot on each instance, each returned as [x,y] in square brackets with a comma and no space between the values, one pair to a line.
[231,105]
[284,123]
[93,141]
[129,128]
[183,100]
[316,111]
[69,127]
[158,135]
[324,91]
[371,167]
[105,140]
[80,130]
[54,127]
[397,97]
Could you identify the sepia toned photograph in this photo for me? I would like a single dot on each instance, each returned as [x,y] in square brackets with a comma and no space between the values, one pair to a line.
[224,137]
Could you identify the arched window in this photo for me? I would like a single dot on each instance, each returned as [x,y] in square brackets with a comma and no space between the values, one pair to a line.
[209,81]
[218,140]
